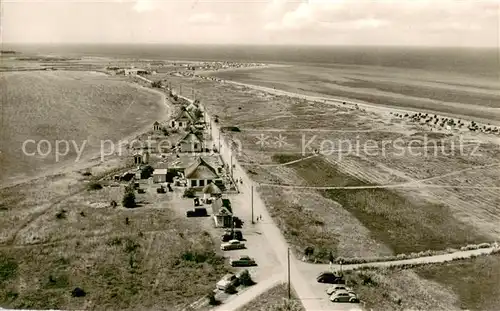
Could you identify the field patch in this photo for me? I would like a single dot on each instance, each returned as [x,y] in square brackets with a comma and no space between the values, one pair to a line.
[130,268]
[402,224]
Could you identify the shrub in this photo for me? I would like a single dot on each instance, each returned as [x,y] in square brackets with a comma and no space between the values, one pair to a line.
[189,193]
[8,268]
[61,214]
[94,186]
[211,299]
[78,292]
[246,278]
[287,305]
[129,198]
[147,171]
[309,251]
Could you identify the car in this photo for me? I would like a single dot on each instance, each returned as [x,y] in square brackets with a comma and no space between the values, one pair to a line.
[227,280]
[160,190]
[242,261]
[338,287]
[344,296]
[231,245]
[197,212]
[330,278]
[232,235]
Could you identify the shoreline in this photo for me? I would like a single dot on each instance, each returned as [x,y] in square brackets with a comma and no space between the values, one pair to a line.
[351,101]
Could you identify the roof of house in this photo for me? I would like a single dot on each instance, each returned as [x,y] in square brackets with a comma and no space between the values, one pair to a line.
[192,106]
[184,115]
[160,171]
[156,123]
[191,137]
[222,207]
[200,169]
[212,188]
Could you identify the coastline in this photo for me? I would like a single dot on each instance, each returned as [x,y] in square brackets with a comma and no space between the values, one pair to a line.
[376,107]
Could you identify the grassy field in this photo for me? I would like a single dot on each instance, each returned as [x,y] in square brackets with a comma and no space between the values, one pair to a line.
[81,108]
[57,235]
[152,260]
[274,300]
[414,226]
[459,285]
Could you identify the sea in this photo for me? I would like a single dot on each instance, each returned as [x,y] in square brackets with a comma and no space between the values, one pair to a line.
[484,62]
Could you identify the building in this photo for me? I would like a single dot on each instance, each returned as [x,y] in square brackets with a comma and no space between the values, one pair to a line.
[141,158]
[211,191]
[192,107]
[192,142]
[222,213]
[183,120]
[160,175]
[157,126]
[200,174]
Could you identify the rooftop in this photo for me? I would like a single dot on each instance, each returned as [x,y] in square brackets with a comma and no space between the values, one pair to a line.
[200,170]
[160,171]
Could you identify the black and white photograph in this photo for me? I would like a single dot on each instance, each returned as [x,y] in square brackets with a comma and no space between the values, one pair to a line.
[250,155]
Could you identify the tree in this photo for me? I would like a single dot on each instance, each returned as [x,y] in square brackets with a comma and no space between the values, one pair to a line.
[129,198]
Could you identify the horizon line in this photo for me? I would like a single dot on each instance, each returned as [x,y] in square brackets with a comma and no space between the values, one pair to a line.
[255,45]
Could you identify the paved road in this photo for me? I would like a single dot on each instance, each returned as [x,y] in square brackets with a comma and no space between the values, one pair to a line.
[308,297]
[251,293]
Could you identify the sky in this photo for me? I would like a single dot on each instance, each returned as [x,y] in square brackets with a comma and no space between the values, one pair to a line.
[313,22]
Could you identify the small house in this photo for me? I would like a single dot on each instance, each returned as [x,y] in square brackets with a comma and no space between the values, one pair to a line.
[211,191]
[192,142]
[222,213]
[141,158]
[160,175]
[200,174]
[183,120]
[157,126]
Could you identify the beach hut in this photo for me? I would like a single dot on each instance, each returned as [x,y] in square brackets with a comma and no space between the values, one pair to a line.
[222,213]
[160,175]
[157,126]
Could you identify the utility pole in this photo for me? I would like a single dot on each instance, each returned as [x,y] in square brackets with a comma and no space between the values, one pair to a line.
[289,291]
[180,89]
[192,92]
[251,200]
[231,155]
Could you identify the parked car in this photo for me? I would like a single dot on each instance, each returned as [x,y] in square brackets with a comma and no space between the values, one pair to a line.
[227,280]
[242,261]
[232,235]
[140,190]
[197,212]
[338,287]
[160,190]
[344,296]
[231,245]
[330,278]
